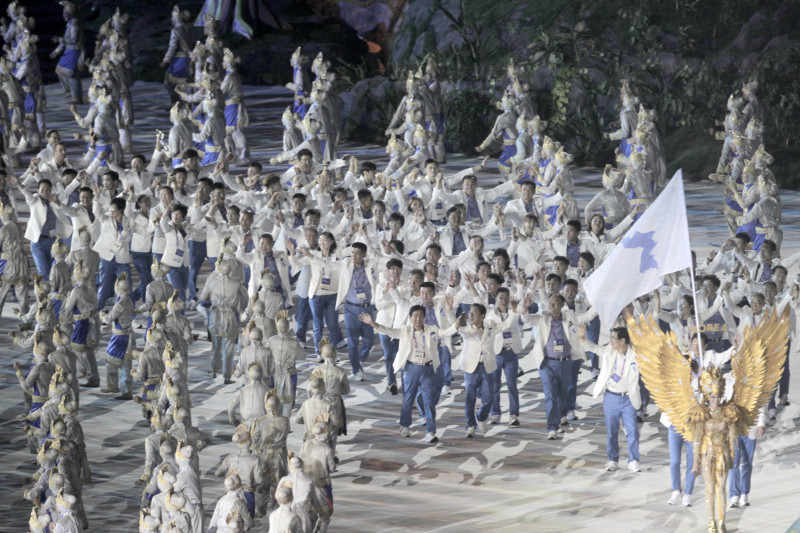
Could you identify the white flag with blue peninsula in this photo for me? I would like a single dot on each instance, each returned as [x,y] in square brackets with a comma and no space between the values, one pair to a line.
[656,245]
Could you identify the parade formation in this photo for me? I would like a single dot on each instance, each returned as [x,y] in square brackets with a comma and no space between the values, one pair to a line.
[449,281]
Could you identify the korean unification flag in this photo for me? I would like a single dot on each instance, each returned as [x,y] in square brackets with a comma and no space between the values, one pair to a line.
[656,245]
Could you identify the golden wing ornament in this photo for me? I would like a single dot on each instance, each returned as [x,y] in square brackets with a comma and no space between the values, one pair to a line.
[758,366]
[666,373]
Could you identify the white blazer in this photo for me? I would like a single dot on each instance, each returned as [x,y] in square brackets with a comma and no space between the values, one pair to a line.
[174,242]
[79,217]
[480,345]
[543,323]
[630,375]
[510,326]
[38,217]
[255,260]
[405,334]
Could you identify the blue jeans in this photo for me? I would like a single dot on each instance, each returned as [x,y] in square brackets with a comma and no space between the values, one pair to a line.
[390,347]
[783,383]
[555,377]
[593,334]
[742,470]
[197,254]
[179,279]
[142,262]
[109,270]
[323,310]
[439,382]
[303,317]
[212,262]
[356,331]
[476,381]
[572,387]
[676,442]
[419,378]
[42,257]
[616,408]
[446,362]
[508,363]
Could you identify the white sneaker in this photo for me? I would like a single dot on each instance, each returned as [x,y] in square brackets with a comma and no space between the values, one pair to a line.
[744,500]
[734,503]
[687,500]
[191,305]
[445,390]
[571,415]
[483,425]
[633,466]
[784,400]
[611,466]
[471,432]
[421,421]
[405,431]
[675,497]
[494,419]
[773,414]
[341,344]
[514,421]
[360,375]
[431,437]
[552,435]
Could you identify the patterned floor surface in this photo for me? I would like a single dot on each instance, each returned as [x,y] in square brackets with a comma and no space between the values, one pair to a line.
[511,479]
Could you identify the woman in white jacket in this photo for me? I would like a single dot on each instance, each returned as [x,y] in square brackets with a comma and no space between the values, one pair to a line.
[323,287]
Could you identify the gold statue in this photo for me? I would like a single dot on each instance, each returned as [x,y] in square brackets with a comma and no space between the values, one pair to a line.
[709,420]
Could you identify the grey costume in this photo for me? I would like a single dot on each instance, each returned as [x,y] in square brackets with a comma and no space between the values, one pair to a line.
[286,351]
[228,298]
[250,401]
[268,434]
[16,272]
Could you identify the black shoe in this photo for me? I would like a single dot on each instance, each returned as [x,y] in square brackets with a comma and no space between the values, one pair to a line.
[393,389]
[228,381]
[91,384]
[124,397]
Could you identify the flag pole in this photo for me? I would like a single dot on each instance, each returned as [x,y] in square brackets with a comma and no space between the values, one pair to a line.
[696,318]
[700,349]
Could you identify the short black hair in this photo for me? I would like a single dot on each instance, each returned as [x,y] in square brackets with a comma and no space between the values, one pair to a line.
[304,152]
[622,334]
[415,308]
[190,153]
[394,262]
[480,308]
[119,203]
[398,245]
[181,209]
[576,224]
[368,166]
[114,175]
[588,257]
[360,246]
[428,285]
